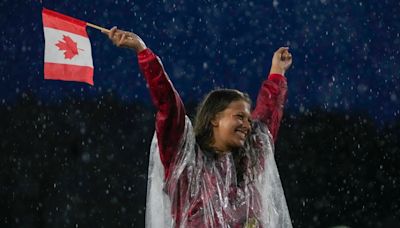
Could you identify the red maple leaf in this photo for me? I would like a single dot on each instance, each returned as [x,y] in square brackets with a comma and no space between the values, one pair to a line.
[69,47]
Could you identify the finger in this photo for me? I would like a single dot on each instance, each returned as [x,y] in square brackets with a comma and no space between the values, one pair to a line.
[283,56]
[287,55]
[279,53]
[112,32]
[281,50]
[121,40]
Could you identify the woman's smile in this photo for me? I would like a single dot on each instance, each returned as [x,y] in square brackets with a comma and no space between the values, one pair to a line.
[232,126]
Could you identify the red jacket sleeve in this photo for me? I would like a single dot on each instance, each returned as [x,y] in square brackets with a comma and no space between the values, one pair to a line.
[170,118]
[270,102]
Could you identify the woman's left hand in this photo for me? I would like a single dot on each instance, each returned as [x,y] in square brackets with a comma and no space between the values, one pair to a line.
[281,61]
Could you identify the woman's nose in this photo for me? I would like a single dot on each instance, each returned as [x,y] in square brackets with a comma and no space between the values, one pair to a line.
[247,125]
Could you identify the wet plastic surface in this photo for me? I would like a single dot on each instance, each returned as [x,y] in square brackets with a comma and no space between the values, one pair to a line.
[209,190]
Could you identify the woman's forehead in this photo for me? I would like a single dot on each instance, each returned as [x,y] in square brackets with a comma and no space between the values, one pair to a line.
[239,105]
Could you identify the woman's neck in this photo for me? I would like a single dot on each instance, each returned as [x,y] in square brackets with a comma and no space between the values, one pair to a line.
[220,149]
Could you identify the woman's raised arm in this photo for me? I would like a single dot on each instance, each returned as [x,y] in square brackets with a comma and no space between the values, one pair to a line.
[170,119]
[272,95]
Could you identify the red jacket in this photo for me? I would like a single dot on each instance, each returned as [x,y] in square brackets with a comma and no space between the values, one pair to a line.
[170,119]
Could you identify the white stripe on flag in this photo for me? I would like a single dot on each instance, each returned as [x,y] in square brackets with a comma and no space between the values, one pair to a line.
[52,54]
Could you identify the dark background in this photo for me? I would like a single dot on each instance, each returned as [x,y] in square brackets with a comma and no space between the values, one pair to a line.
[74,155]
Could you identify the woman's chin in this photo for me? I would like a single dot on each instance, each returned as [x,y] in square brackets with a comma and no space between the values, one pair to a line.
[239,144]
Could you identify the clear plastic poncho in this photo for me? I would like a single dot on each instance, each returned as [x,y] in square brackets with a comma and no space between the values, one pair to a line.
[209,190]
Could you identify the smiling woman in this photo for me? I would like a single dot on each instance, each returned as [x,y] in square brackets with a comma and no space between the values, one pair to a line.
[222,173]
[232,104]
[230,126]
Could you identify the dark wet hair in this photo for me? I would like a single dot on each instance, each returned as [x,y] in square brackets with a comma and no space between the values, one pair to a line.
[215,102]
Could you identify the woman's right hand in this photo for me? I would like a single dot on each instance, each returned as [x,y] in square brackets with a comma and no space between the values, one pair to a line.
[125,39]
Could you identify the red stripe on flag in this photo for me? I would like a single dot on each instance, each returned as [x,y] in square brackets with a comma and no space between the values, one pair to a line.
[67,72]
[52,19]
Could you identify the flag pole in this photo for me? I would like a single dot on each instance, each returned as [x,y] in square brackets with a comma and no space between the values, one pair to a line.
[97,27]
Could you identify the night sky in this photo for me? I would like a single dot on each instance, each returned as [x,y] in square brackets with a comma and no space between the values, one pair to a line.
[346,53]
[334,164]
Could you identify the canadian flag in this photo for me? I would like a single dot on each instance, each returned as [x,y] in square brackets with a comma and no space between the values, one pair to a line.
[67,53]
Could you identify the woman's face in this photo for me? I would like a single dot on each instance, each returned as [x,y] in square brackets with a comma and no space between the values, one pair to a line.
[231,126]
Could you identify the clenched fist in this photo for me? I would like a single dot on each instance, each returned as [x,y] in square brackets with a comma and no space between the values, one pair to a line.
[281,61]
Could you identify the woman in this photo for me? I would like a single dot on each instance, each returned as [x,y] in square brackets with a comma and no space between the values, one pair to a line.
[222,173]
